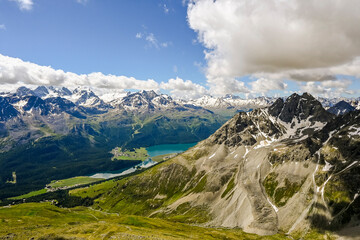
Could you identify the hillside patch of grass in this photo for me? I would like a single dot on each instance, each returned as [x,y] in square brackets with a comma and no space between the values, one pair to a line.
[229,187]
[30,194]
[70,182]
[137,154]
[280,195]
[45,221]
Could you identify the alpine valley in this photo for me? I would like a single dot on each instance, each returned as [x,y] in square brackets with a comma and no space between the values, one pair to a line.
[53,133]
[287,169]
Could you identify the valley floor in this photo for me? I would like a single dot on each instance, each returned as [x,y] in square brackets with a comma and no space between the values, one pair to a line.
[46,221]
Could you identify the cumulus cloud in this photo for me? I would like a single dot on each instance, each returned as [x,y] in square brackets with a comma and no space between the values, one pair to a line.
[329,89]
[15,71]
[184,89]
[24,5]
[303,40]
[264,85]
[222,85]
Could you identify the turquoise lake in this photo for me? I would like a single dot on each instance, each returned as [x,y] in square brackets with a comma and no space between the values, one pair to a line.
[153,151]
[168,148]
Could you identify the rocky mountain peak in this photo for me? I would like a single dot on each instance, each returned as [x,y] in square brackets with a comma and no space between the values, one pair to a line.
[41,91]
[24,91]
[148,94]
[146,101]
[300,107]
[341,108]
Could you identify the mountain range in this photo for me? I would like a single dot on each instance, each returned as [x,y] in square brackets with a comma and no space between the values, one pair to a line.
[227,105]
[53,133]
[290,168]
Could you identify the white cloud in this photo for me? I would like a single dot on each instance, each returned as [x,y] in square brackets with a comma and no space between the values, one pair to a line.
[166,9]
[303,40]
[152,40]
[337,83]
[185,2]
[329,89]
[165,44]
[184,89]
[220,86]
[139,35]
[82,1]
[2,27]
[264,85]
[15,71]
[24,5]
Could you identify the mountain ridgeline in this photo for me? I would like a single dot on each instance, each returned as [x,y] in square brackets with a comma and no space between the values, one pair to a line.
[53,133]
[290,167]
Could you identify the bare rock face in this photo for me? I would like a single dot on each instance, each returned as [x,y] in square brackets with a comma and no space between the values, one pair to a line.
[300,108]
[341,108]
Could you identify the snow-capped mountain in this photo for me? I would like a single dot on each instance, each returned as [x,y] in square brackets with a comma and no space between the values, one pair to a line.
[230,104]
[143,101]
[147,101]
[341,108]
[87,98]
[46,92]
[330,102]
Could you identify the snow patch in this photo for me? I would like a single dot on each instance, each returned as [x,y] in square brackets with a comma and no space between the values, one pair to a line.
[273,206]
[212,156]
[327,167]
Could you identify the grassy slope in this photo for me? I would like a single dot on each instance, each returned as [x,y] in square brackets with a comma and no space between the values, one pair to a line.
[45,221]
[30,194]
[137,154]
[69,182]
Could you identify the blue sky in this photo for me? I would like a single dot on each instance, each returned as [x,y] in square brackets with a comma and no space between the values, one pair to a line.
[100,36]
[187,48]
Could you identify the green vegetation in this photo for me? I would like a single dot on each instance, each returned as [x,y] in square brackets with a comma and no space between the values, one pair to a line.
[30,194]
[52,158]
[201,185]
[143,193]
[193,156]
[280,195]
[86,148]
[185,213]
[139,154]
[270,183]
[95,190]
[70,182]
[283,194]
[164,157]
[229,187]
[337,194]
[45,221]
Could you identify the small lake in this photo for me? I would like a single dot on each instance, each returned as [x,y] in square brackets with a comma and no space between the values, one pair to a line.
[153,151]
[157,150]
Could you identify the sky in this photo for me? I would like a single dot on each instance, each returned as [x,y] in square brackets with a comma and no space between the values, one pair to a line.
[184,48]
